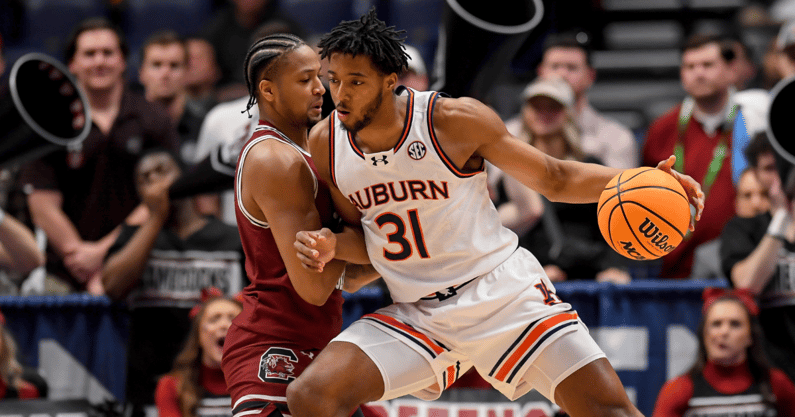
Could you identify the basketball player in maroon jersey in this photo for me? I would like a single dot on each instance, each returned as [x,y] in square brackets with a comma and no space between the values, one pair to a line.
[289,312]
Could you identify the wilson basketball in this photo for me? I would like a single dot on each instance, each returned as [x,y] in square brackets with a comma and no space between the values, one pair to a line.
[643,213]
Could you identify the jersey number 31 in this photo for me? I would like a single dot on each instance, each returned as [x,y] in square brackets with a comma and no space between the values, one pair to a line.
[399,235]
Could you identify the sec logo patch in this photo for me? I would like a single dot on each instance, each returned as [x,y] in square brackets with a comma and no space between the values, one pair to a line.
[416,150]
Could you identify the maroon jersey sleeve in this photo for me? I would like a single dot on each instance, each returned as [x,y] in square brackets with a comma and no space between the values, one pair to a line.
[673,397]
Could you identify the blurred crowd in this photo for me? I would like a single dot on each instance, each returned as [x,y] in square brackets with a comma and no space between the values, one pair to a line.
[99,219]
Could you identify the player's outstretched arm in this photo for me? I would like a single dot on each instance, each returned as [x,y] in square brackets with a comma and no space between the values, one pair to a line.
[278,188]
[467,130]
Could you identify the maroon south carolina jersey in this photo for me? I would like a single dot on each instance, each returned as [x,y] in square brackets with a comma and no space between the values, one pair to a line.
[273,312]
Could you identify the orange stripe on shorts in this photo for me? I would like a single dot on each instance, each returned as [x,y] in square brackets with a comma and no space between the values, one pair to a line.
[530,340]
[408,329]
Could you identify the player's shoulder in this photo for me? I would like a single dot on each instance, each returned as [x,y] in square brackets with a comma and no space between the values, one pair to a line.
[272,155]
[462,113]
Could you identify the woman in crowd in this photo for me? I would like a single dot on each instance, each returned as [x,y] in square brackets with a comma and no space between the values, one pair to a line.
[196,385]
[564,237]
[15,381]
[731,375]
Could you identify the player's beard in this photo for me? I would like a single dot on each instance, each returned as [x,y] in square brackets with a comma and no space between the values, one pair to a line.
[369,112]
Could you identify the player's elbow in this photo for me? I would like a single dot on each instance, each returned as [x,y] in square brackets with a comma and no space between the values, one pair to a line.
[315,300]
[557,177]
[314,296]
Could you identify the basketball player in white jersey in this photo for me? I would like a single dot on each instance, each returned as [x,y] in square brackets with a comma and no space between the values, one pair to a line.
[409,167]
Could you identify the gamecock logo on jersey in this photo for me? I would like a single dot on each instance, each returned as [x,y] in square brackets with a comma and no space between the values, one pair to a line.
[416,150]
[276,365]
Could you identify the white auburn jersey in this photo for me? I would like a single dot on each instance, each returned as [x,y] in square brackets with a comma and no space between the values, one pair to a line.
[427,225]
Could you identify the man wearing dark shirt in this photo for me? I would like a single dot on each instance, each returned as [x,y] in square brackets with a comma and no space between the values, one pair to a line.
[79,197]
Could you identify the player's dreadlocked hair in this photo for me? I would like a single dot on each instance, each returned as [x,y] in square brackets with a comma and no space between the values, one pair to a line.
[261,57]
[370,37]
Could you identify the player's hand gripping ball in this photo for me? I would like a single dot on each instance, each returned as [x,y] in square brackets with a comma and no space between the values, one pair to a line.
[643,213]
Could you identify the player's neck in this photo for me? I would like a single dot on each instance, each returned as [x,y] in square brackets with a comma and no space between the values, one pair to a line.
[297,132]
[386,128]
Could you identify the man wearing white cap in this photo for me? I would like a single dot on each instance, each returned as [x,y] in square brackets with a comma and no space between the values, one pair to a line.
[546,121]
[615,145]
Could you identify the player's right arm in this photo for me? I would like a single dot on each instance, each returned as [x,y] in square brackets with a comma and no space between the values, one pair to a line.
[317,247]
[350,244]
[278,188]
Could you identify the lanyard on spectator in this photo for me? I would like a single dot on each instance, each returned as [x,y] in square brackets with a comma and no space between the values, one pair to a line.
[718,154]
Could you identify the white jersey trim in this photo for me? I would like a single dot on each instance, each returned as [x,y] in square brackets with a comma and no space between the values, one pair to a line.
[274,134]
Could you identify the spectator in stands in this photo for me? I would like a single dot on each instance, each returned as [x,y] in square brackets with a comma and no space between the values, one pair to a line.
[416,75]
[566,237]
[699,132]
[752,200]
[16,381]
[161,267]
[230,33]
[752,197]
[196,386]
[605,139]
[753,102]
[785,45]
[202,74]
[758,253]
[743,66]
[731,375]
[164,64]
[79,197]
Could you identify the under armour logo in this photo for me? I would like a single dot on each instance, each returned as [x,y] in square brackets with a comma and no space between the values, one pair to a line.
[448,292]
[377,160]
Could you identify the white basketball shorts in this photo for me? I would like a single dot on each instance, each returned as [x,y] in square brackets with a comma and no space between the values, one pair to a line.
[508,324]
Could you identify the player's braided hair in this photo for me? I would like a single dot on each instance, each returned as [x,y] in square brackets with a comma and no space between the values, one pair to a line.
[370,37]
[260,59]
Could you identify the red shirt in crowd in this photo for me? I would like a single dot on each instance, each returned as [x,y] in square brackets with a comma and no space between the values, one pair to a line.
[727,381]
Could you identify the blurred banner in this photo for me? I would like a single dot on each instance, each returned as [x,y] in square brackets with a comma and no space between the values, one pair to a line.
[647,329]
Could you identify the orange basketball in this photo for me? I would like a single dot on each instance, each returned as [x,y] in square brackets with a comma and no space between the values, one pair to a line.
[643,213]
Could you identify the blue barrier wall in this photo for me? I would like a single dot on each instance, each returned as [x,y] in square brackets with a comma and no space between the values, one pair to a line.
[647,328]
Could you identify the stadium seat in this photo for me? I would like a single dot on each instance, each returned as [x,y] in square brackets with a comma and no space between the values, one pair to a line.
[317,16]
[49,22]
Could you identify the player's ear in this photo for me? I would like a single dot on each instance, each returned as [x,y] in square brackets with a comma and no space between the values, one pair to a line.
[391,81]
[266,90]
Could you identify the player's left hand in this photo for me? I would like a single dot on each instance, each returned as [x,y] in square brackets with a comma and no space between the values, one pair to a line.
[315,248]
[691,186]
